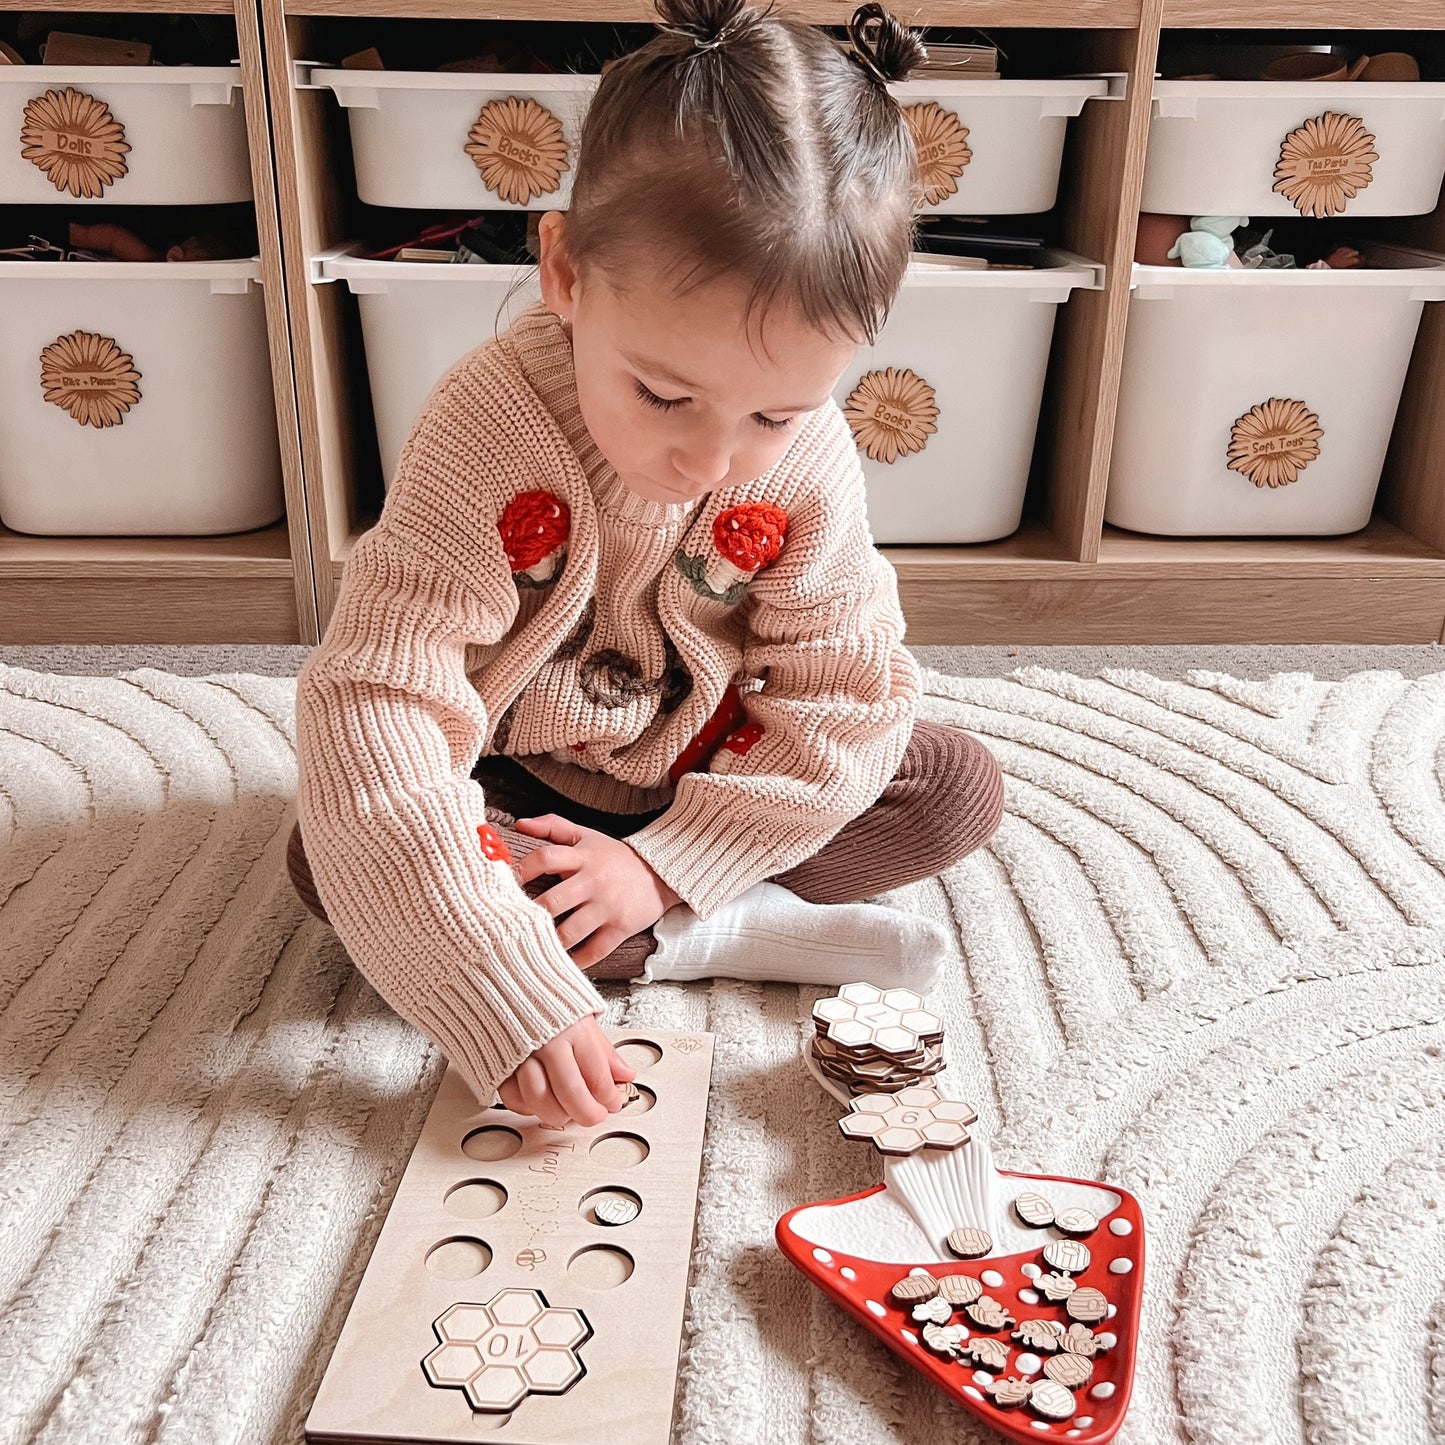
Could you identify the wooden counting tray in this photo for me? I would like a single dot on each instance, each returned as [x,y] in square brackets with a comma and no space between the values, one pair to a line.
[493,1269]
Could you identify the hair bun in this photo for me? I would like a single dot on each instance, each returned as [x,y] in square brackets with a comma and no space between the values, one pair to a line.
[886,48]
[707,23]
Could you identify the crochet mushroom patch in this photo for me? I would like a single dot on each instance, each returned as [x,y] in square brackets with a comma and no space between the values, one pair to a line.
[745,539]
[535,527]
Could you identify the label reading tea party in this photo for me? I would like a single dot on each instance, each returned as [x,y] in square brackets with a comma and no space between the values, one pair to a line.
[1325,163]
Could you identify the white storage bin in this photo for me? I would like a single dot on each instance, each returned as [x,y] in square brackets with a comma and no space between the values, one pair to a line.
[991,147]
[432,139]
[957,422]
[126,134]
[945,405]
[1261,402]
[1284,148]
[137,399]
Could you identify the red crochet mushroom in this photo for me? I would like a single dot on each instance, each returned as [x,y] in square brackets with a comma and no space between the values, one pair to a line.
[698,753]
[749,537]
[535,527]
[494,846]
[741,741]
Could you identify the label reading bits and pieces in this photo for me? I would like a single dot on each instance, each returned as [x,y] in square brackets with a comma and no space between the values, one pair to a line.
[1052,1400]
[913,1289]
[1087,1304]
[970,1243]
[959,1289]
[1069,1254]
[1034,1209]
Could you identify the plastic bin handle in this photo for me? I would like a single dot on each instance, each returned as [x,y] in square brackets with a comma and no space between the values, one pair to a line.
[215,93]
[1176,107]
[232,285]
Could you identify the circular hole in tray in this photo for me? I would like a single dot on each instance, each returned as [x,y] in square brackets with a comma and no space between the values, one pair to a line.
[458,1258]
[491,1142]
[475,1198]
[619,1151]
[642,1103]
[639,1053]
[590,1201]
[600,1266]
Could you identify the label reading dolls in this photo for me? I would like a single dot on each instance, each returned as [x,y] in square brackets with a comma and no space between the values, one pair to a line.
[75,140]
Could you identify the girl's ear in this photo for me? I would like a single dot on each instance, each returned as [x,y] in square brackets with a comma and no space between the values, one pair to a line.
[556,273]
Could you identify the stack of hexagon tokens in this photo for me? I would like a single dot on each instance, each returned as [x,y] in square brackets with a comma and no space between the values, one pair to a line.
[876,1041]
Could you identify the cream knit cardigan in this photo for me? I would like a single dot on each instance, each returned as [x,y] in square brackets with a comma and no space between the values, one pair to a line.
[516,597]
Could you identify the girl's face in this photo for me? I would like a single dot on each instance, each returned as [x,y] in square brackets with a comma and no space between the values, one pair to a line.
[675,393]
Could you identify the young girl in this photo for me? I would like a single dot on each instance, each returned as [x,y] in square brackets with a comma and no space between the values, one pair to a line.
[625,563]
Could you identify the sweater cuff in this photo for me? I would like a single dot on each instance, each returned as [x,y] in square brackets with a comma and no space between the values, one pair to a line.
[487,1035]
[707,850]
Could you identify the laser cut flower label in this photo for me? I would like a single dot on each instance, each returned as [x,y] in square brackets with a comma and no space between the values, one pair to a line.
[518,147]
[89,377]
[891,413]
[941,141]
[1325,163]
[75,140]
[1274,442]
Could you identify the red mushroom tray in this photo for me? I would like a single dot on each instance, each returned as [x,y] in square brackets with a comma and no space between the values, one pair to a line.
[864,1287]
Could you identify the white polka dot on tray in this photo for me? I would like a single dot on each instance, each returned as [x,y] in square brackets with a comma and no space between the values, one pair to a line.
[1108,1339]
[1120,1226]
[1113,1310]
[1028,1364]
[972,1393]
[822,1256]
[1029,1296]
[1083,1421]
[874,1308]
[1120,1266]
[992,1278]
[1031,1271]
[1039,1424]
[982,1377]
[1102,1392]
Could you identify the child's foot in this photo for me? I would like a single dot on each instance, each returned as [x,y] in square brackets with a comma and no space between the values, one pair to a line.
[770,934]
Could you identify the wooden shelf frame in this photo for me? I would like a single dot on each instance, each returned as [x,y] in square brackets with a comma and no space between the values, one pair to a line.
[247,587]
[1064,576]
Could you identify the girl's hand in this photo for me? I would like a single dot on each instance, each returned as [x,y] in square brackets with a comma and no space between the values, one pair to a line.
[607,891]
[574,1076]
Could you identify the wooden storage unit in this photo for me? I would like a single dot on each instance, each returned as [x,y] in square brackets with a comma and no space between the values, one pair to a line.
[1064,577]
[247,587]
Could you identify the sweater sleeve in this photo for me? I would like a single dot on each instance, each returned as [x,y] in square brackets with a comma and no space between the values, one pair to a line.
[824,628]
[388,729]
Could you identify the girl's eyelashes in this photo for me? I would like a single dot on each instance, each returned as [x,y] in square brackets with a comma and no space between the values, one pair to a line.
[667,403]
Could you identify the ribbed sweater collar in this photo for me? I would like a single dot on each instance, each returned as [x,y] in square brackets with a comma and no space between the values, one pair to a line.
[544,348]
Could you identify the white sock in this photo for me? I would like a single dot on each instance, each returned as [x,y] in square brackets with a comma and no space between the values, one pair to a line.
[770,934]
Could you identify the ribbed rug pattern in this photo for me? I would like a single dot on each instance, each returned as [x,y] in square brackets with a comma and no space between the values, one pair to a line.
[1203,957]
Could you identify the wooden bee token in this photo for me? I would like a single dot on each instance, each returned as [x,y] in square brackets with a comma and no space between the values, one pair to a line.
[936,1311]
[1010,1391]
[1076,1221]
[913,1289]
[1052,1400]
[959,1289]
[1069,1254]
[1069,1370]
[989,1314]
[1043,1335]
[1056,1287]
[1087,1304]
[1034,1209]
[990,1353]
[945,1340]
[1081,1340]
[970,1243]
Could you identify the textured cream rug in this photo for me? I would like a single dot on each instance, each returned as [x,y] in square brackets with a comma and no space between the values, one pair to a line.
[1204,957]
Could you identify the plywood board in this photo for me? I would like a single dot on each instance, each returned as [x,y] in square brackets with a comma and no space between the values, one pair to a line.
[517,1233]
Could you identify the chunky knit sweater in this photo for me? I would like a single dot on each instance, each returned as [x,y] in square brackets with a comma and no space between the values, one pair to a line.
[736,660]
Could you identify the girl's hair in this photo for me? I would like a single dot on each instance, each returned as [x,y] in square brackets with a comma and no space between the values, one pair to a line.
[737,142]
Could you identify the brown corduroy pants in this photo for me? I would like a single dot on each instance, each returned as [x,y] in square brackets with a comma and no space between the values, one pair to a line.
[945,800]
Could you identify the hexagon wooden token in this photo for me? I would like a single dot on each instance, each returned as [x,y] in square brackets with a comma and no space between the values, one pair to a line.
[1087,1304]
[1067,1254]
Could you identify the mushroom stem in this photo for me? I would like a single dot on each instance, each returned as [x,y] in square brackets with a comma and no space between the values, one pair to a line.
[946,1189]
